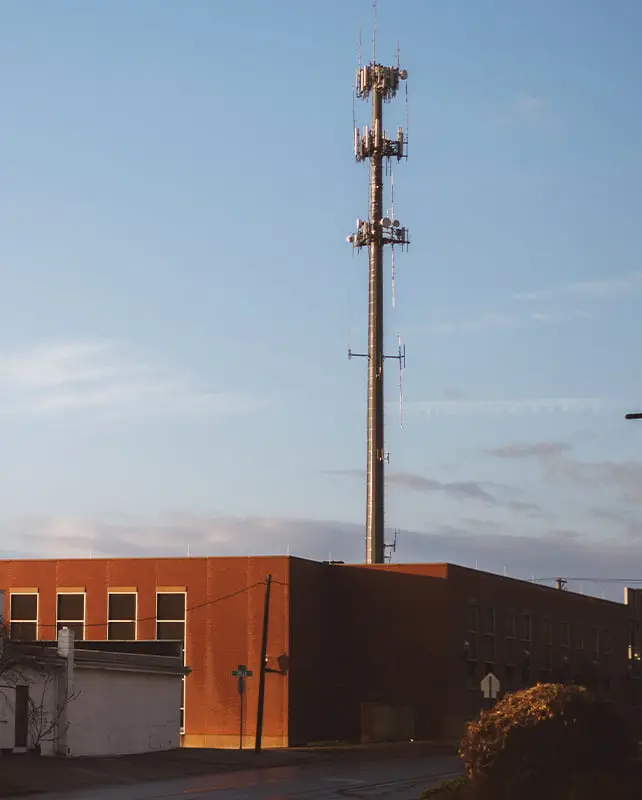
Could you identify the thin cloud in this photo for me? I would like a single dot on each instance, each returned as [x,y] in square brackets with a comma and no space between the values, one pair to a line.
[593,289]
[495,321]
[531,449]
[104,378]
[528,105]
[524,107]
[463,490]
[473,543]
[623,477]
[483,322]
[548,405]
[419,483]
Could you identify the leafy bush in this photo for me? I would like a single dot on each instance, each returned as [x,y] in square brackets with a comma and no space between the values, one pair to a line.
[540,742]
[453,789]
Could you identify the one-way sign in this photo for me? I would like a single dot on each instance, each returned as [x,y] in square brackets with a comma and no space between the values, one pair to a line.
[490,686]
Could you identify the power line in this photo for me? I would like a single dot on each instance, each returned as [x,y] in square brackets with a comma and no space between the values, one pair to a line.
[591,580]
[204,604]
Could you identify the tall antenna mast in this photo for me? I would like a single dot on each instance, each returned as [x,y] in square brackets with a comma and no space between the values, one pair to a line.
[380,83]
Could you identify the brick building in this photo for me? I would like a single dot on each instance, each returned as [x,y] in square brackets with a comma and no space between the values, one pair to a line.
[355,652]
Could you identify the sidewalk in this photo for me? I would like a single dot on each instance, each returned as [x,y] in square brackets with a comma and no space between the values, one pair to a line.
[29,774]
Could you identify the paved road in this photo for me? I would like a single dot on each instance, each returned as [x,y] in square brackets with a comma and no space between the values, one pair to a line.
[402,779]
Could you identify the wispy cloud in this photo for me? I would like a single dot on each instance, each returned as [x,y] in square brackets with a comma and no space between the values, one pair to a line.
[462,490]
[550,405]
[472,543]
[531,450]
[528,105]
[593,289]
[623,477]
[496,321]
[102,377]
[481,322]
[524,107]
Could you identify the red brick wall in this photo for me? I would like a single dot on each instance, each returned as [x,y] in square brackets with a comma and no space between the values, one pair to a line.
[312,651]
[221,633]
[585,615]
[391,644]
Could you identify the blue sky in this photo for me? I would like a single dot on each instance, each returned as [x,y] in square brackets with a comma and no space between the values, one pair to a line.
[177,184]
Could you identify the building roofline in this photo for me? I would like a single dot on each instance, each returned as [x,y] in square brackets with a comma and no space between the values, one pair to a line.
[43,654]
[538,586]
[92,559]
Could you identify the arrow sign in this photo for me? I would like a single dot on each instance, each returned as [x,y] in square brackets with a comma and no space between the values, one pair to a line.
[490,686]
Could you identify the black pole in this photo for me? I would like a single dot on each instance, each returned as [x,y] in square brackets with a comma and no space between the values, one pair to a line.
[634,415]
[241,689]
[264,639]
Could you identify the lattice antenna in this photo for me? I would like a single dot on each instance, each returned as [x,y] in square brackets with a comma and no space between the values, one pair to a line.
[392,547]
[392,255]
[378,84]
[374,31]
[407,114]
[402,366]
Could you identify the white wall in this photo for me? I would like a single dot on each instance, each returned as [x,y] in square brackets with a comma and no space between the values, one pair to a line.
[116,713]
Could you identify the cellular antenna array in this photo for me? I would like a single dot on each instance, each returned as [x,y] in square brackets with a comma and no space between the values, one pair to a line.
[378,84]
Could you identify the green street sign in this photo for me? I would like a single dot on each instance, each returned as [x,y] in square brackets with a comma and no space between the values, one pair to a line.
[242,672]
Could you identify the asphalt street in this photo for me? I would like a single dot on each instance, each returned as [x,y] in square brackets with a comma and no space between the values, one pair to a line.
[398,779]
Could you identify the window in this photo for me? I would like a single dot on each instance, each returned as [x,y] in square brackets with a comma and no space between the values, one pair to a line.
[524,627]
[510,651]
[471,672]
[23,617]
[473,616]
[170,615]
[564,634]
[545,675]
[488,649]
[170,624]
[70,612]
[509,625]
[547,656]
[121,616]
[546,631]
[470,648]
[606,647]
[578,638]
[488,620]
[509,676]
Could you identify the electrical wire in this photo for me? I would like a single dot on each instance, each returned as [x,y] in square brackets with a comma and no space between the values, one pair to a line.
[589,580]
[196,607]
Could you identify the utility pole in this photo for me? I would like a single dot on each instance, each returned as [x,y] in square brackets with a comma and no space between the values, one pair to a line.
[263,666]
[381,83]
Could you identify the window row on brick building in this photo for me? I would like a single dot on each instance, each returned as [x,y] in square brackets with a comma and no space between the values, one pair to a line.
[121,616]
[512,636]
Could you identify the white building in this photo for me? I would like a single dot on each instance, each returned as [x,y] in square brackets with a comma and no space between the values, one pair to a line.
[59,699]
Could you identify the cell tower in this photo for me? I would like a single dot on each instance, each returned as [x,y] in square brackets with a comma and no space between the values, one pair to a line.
[379,84]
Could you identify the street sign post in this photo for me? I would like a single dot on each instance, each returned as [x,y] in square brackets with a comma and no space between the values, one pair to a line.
[241,673]
[490,687]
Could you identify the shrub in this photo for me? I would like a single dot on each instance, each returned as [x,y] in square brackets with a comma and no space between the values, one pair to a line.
[452,789]
[536,743]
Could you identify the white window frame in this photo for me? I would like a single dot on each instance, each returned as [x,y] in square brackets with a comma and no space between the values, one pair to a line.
[184,689]
[74,621]
[36,620]
[110,592]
